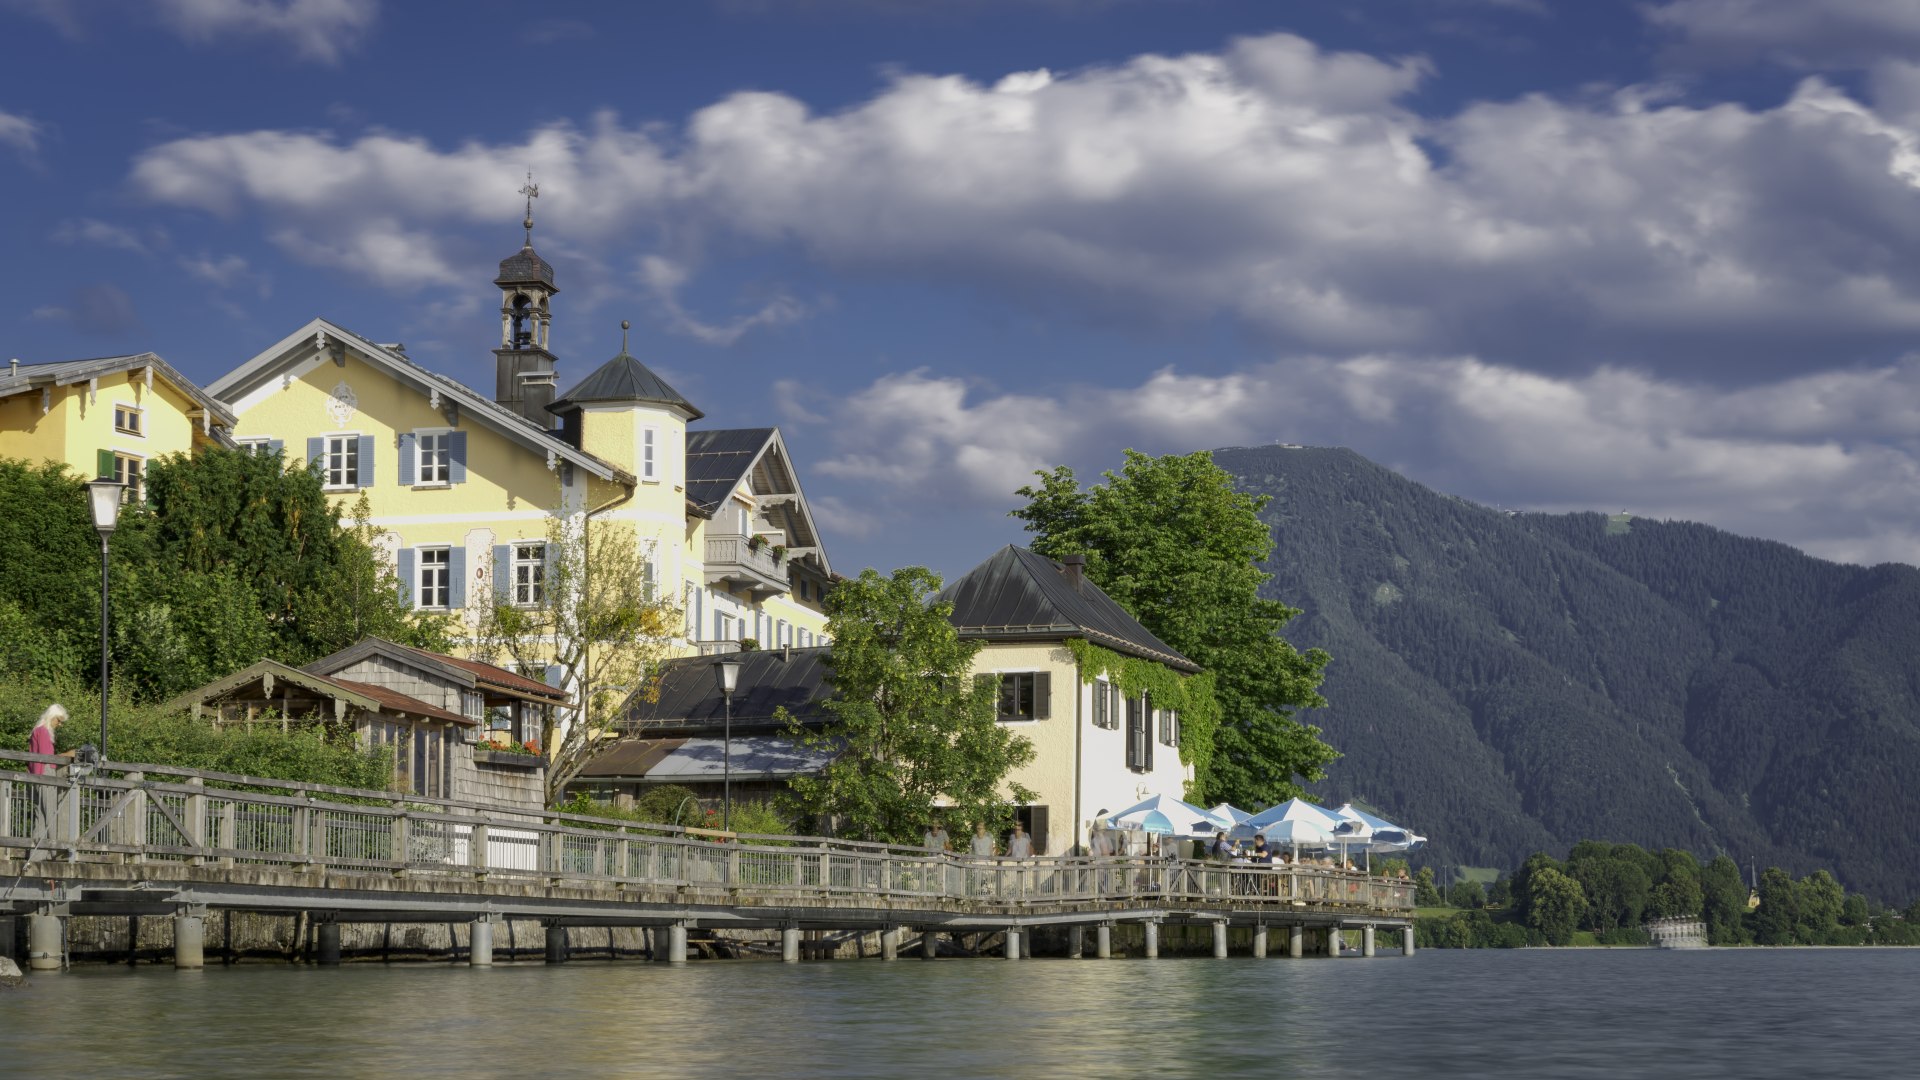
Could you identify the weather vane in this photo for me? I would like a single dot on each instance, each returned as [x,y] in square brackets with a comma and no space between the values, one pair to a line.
[532,191]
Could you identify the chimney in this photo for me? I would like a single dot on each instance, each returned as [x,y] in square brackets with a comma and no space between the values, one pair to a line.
[1075,567]
[13,366]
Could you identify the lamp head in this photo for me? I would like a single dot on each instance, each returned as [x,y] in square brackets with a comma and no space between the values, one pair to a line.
[103,498]
[726,672]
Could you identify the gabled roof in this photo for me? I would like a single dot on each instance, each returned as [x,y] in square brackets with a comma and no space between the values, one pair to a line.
[718,462]
[70,372]
[770,679]
[358,694]
[624,379]
[321,333]
[1017,595]
[466,673]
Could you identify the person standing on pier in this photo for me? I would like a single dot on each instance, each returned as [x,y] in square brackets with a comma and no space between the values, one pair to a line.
[44,795]
[982,845]
[936,838]
[1019,845]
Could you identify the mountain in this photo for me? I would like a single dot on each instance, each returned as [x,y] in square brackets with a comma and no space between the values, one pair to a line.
[1508,682]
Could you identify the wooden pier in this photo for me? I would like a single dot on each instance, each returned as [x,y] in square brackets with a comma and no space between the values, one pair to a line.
[146,840]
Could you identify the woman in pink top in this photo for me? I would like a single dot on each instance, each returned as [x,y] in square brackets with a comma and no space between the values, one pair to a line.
[41,742]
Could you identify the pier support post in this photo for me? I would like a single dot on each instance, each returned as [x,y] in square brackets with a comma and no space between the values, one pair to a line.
[1366,941]
[557,945]
[1333,941]
[480,943]
[1220,939]
[1076,942]
[327,954]
[790,945]
[890,943]
[1406,941]
[1296,941]
[1260,942]
[1103,941]
[44,935]
[189,941]
[929,945]
[1152,949]
[677,943]
[1013,943]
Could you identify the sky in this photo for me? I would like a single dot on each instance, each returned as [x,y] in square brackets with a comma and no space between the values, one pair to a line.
[1660,256]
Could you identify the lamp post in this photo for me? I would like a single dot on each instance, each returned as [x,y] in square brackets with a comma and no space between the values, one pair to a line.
[103,497]
[726,672]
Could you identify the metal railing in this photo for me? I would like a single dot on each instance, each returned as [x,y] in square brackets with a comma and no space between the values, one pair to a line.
[145,813]
[739,550]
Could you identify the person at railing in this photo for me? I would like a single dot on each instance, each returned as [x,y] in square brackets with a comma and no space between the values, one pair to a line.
[44,795]
[936,838]
[982,846]
[1019,844]
[1222,848]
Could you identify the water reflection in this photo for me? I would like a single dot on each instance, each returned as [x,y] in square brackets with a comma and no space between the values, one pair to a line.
[1534,1013]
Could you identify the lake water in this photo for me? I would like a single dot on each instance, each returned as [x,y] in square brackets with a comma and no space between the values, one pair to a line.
[1534,1013]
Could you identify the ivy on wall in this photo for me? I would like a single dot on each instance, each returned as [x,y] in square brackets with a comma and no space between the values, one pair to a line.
[1189,695]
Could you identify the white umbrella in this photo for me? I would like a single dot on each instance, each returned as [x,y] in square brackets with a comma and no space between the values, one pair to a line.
[1379,833]
[1167,816]
[1291,810]
[1231,813]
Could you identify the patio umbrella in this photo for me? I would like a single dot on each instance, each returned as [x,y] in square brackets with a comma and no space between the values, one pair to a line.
[1380,834]
[1291,810]
[1167,816]
[1231,813]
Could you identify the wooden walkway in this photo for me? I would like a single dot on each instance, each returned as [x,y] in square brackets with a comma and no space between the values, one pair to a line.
[147,840]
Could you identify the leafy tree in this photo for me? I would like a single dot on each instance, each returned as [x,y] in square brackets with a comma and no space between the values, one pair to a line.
[1677,890]
[1777,919]
[1174,543]
[914,732]
[1614,879]
[1855,911]
[1466,894]
[1523,879]
[1555,905]
[1501,893]
[1820,900]
[1724,901]
[1425,892]
[598,618]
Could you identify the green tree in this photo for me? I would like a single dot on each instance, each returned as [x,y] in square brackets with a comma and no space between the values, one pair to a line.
[1174,543]
[598,617]
[1555,905]
[1501,893]
[1723,901]
[914,732]
[1523,879]
[1820,901]
[1677,890]
[1425,892]
[1777,920]
[1466,894]
[1614,879]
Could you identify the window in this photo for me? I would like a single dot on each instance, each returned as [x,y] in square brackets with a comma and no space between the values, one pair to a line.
[432,464]
[131,471]
[261,447]
[1139,737]
[1169,727]
[1024,695]
[649,454]
[342,463]
[1102,707]
[127,420]
[722,626]
[529,574]
[436,565]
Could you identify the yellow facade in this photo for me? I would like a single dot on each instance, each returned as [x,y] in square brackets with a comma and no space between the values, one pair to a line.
[115,414]
[324,389]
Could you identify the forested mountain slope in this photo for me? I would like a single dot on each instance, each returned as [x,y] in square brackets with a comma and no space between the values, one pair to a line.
[1512,682]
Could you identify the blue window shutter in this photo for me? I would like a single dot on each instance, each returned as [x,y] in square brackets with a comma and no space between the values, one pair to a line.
[407,457]
[457,455]
[366,461]
[277,446]
[457,577]
[503,573]
[317,452]
[409,579]
[554,673]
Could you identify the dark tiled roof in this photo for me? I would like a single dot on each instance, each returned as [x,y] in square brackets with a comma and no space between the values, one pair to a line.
[1018,595]
[770,679]
[498,676]
[396,701]
[630,757]
[523,267]
[718,460]
[623,379]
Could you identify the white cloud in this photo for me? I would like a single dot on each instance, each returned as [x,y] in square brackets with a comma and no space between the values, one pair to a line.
[20,133]
[1798,33]
[1280,184]
[320,30]
[1830,462]
[108,235]
[663,279]
[230,272]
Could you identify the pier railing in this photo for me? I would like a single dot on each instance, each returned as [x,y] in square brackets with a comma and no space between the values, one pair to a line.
[146,813]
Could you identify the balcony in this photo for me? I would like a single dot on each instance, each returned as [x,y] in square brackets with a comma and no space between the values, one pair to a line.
[733,561]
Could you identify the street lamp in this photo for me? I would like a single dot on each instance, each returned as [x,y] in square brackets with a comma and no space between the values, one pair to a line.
[726,672]
[103,497]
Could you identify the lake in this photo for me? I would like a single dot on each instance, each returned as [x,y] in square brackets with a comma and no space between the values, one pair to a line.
[1528,1013]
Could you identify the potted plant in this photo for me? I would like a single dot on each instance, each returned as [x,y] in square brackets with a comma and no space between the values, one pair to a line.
[755,541]
[779,553]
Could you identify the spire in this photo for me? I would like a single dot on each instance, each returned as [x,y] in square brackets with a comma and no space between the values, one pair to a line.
[624,327]
[532,191]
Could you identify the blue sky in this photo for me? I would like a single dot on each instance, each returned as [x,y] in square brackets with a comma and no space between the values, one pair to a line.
[1581,255]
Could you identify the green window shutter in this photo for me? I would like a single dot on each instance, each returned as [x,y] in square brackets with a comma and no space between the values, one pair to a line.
[1042,694]
[103,462]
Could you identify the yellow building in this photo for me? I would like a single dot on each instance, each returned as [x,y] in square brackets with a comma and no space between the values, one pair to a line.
[461,486]
[108,416]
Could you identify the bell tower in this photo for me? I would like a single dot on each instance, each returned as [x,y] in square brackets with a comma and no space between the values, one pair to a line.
[524,362]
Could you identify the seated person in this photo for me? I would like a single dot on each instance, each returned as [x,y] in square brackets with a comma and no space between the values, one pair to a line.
[1261,853]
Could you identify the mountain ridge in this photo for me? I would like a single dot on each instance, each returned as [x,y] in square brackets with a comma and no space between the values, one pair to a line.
[1508,682]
